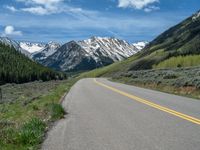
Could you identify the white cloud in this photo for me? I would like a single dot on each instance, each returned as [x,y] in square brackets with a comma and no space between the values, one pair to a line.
[11,8]
[41,2]
[137,4]
[151,8]
[10,30]
[47,7]
[37,10]
[42,7]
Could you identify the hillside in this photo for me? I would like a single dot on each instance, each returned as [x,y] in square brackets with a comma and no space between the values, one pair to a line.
[17,68]
[180,40]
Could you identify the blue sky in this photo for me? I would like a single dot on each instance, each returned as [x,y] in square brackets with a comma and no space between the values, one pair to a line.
[65,20]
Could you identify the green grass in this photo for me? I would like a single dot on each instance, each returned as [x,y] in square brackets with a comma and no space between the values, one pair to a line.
[111,69]
[180,61]
[28,136]
[57,111]
[23,126]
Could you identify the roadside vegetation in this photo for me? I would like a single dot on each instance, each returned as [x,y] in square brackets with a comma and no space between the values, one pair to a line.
[27,110]
[180,81]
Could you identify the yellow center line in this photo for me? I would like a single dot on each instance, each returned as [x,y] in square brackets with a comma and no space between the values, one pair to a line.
[149,103]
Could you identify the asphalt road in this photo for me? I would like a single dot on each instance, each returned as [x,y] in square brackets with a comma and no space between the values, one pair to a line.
[104,115]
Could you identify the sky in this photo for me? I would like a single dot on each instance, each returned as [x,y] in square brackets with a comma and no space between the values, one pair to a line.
[66,20]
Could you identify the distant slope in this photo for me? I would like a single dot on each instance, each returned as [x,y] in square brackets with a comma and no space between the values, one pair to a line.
[89,54]
[17,68]
[180,40]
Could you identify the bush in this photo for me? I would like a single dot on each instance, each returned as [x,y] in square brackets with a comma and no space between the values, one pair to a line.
[170,75]
[57,111]
[31,132]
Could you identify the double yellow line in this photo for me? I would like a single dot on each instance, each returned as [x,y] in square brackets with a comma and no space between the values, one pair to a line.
[147,102]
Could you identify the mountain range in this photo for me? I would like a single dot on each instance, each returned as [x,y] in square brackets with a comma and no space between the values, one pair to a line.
[89,54]
[77,55]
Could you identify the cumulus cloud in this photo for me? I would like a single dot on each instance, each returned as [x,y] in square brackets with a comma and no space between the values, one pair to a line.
[138,4]
[10,30]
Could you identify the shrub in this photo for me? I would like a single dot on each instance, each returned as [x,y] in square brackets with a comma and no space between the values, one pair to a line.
[31,132]
[170,75]
[57,111]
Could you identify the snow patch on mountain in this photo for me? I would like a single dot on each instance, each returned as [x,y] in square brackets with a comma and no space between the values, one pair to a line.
[196,16]
[32,47]
[48,50]
[140,45]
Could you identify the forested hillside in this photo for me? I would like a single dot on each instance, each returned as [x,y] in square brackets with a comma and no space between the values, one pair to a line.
[17,68]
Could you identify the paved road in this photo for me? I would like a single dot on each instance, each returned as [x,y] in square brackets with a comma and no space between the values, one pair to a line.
[104,115]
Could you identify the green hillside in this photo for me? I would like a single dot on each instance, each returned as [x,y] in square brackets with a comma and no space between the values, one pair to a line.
[17,68]
[180,40]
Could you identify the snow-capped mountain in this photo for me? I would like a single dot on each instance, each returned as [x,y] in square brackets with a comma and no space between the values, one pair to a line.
[47,50]
[10,42]
[32,47]
[113,48]
[89,54]
[140,45]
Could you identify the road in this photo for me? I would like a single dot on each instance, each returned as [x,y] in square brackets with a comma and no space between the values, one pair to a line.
[104,115]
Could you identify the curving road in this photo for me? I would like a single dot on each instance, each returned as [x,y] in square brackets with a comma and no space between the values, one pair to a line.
[104,115]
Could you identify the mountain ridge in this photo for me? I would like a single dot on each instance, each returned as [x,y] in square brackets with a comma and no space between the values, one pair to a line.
[95,52]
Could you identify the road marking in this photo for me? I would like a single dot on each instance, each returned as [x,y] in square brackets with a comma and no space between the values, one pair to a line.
[149,103]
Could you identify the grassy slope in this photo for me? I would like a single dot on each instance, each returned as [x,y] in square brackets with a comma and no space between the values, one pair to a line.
[23,121]
[110,70]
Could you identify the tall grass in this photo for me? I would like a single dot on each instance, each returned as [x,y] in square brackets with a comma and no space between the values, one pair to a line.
[57,111]
[180,61]
[31,132]
[28,136]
